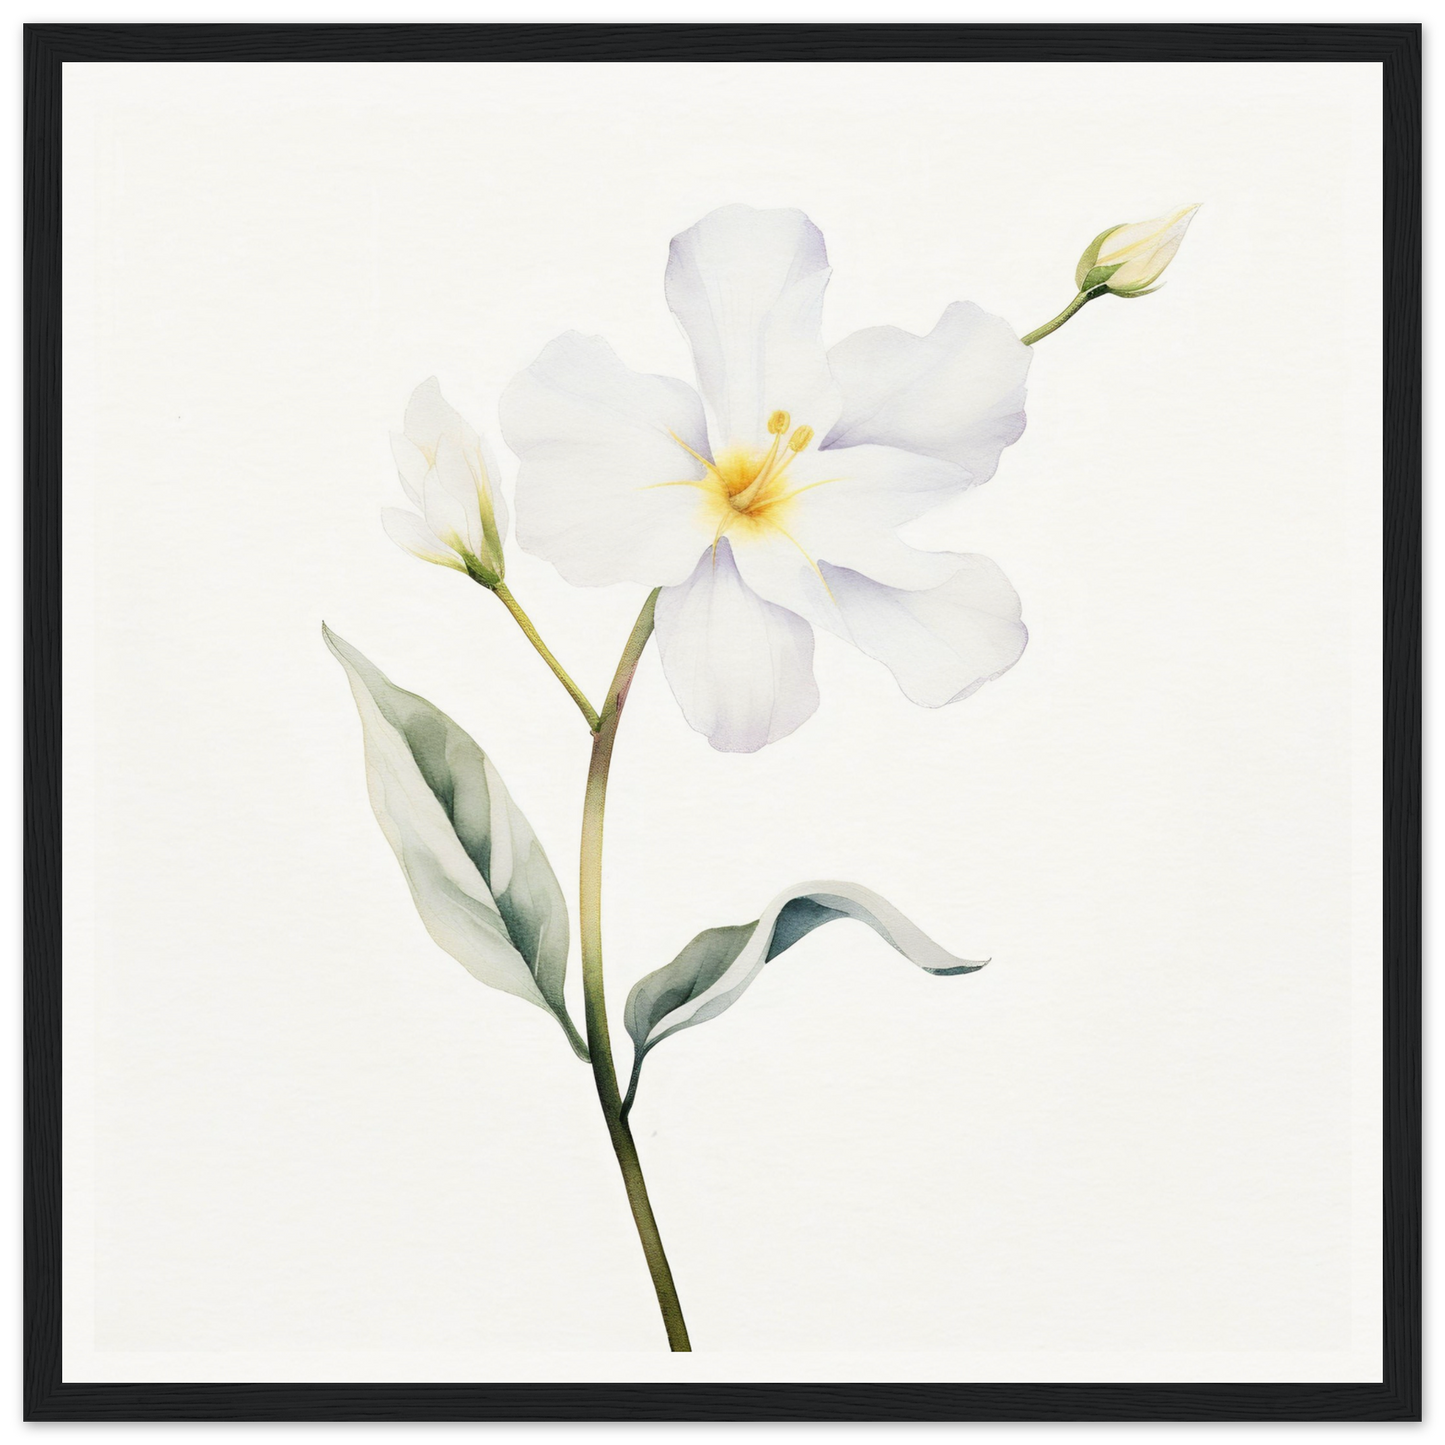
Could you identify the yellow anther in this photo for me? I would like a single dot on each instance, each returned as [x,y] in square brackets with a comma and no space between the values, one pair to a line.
[800,438]
[779,422]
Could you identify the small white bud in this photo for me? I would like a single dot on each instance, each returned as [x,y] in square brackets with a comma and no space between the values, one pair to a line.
[1130,259]
[447,473]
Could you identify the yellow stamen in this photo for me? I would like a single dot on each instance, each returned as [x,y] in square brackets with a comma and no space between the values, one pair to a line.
[696,456]
[817,572]
[764,471]
[749,494]
[748,490]
[723,523]
[798,491]
[771,469]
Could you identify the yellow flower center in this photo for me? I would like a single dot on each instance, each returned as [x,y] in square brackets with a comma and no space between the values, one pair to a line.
[750,490]
[753,484]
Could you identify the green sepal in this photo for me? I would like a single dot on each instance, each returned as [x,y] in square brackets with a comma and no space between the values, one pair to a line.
[1099,276]
[1091,255]
[480,573]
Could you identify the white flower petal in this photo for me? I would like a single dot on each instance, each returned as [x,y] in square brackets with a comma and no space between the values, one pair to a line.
[412,535]
[940,644]
[747,288]
[599,446]
[455,478]
[850,500]
[429,418]
[411,466]
[488,483]
[445,515]
[1143,250]
[844,507]
[957,393]
[740,668]
[775,566]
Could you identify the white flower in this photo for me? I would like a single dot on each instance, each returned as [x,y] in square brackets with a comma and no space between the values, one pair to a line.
[448,473]
[768,505]
[1129,259]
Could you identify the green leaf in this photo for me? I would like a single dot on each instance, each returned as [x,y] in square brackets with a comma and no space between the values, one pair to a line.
[711,973]
[477,873]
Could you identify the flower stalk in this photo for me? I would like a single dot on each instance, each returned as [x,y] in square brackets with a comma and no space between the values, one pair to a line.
[599,1039]
[504,596]
[1072,309]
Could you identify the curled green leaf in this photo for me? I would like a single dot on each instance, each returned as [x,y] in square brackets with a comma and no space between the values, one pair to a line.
[711,973]
[477,874]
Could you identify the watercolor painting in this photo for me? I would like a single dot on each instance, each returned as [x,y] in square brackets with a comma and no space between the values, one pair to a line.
[760,503]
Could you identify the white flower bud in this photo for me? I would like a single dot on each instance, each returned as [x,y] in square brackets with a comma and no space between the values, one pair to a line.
[1130,259]
[450,478]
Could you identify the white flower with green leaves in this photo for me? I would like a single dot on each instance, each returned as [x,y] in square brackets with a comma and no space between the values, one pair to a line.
[755,508]
[766,502]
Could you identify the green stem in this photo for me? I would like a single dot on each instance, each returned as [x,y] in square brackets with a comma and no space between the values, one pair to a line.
[505,597]
[637,1057]
[1077,304]
[599,1040]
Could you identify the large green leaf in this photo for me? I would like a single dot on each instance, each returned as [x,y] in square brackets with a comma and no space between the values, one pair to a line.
[477,873]
[710,974]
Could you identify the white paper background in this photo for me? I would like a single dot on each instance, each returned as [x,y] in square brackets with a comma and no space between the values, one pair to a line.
[301,1143]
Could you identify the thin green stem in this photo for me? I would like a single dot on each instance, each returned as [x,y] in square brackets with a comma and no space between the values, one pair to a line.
[505,597]
[599,1039]
[1077,304]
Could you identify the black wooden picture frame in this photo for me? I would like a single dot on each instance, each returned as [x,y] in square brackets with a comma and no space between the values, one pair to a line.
[1396,47]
